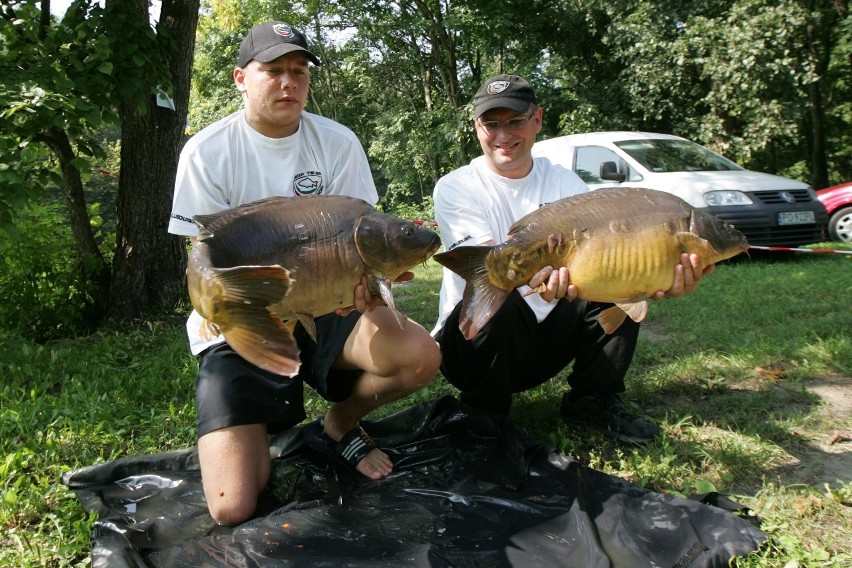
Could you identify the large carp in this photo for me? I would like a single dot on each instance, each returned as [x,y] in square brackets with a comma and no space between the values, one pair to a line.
[620,245]
[288,259]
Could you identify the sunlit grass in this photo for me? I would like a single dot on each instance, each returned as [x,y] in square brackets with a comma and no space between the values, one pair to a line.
[727,371]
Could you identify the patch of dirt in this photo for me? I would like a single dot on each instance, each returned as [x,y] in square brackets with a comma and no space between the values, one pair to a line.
[833,458]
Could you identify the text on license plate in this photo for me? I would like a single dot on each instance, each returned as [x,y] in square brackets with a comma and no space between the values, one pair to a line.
[795,217]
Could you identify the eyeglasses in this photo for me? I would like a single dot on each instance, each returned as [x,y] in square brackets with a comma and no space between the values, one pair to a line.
[517,123]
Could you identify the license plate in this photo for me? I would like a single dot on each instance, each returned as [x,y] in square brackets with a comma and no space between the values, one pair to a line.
[795,217]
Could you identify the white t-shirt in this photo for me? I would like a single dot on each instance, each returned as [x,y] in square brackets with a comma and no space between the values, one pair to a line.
[474,205]
[229,164]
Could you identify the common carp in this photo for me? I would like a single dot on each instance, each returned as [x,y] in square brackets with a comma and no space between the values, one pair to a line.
[620,246]
[257,269]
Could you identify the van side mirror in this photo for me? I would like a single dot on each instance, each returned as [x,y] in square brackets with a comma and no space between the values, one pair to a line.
[609,172]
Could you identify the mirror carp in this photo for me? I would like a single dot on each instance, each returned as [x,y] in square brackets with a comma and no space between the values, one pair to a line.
[257,269]
[620,246]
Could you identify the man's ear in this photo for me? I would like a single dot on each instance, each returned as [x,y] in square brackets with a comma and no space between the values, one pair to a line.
[240,79]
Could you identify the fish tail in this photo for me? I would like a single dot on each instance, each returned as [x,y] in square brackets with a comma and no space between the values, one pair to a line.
[481,299]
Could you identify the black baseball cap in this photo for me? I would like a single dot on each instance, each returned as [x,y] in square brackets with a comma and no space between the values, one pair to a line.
[503,91]
[271,40]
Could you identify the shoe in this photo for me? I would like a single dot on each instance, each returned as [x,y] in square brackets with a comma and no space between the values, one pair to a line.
[610,416]
[350,450]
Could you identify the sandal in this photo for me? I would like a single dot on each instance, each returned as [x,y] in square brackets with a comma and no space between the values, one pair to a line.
[351,449]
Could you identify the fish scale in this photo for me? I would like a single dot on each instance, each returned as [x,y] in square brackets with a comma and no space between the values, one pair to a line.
[257,269]
[616,272]
[620,246]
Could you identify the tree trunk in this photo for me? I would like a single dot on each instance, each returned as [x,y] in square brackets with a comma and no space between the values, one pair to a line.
[149,264]
[93,265]
[819,160]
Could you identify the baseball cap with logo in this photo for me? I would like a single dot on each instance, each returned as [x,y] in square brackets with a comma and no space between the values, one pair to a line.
[271,40]
[503,91]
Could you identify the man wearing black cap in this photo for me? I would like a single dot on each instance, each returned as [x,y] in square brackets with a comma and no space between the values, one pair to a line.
[361,359]
[531,338]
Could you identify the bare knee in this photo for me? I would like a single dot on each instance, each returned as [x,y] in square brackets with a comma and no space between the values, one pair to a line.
[420,369]
[231,511]
[235,467]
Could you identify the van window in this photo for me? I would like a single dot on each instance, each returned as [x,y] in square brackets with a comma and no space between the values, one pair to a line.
[675,156]
[588,164]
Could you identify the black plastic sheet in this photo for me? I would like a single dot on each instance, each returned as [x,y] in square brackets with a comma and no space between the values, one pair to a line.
[468,490]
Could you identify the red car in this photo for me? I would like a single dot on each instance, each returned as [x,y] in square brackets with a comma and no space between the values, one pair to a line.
[838,202]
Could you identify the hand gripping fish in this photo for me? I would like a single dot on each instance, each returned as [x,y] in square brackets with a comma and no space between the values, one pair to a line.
[257,269]
[620,246]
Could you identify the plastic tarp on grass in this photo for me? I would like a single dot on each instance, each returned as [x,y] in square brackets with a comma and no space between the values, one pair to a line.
[467,490]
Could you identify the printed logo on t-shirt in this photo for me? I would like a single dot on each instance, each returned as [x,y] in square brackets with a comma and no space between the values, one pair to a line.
[182,218]
[308,183]
[460,241]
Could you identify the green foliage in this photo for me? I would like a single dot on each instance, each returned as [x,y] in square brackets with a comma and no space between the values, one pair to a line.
[70,404]
[734,76]
[222,25]
[727,372]
[424,211]
[839,114]
[49,82]
[43,281]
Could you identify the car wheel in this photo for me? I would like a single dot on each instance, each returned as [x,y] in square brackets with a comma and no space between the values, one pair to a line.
[840,225]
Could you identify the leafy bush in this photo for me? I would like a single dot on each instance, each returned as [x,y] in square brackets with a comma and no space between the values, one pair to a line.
[43,283]
[424,211]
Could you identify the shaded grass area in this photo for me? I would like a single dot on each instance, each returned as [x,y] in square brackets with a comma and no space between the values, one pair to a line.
[729,371]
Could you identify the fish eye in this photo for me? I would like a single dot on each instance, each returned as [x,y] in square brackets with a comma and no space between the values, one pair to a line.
[408,230]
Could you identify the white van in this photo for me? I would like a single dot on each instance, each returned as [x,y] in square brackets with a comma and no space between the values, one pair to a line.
[770,210]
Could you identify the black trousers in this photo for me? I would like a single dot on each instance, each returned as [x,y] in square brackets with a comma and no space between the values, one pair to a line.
[513,353]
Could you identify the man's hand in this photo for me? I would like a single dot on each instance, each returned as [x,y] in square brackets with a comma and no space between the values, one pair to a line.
[553,284]
[364,301]
[687,276]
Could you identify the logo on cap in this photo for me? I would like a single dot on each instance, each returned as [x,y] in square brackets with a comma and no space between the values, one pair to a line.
[497,87]
[283,30]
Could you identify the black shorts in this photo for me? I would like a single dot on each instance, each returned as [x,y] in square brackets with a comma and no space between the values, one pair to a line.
[230,391]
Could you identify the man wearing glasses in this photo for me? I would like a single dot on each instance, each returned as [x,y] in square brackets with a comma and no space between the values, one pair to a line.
[531,338]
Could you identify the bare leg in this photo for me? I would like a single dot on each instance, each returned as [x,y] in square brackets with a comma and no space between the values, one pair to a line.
[395,363]
[235,467]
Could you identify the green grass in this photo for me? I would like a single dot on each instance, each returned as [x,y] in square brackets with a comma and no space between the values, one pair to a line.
[733,373]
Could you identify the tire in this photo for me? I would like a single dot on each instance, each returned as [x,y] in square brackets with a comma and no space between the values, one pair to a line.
[840,225]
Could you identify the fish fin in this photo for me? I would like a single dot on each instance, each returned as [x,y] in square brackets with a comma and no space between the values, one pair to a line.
[692,243]
[262,339]
[693,222]
[256,286]
[467,262]
[255,333]
[307,321]
[611,319]
[481,298]
[383,287]
[208,330]
[467,327]
[481,301]
[636,308]
[203,233]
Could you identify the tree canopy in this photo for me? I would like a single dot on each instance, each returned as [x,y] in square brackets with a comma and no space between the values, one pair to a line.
[767,83]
